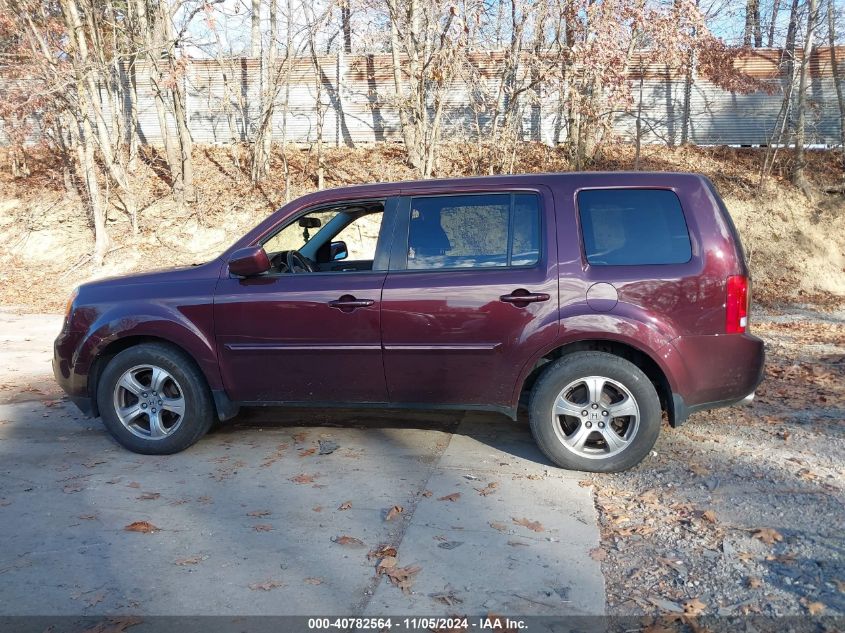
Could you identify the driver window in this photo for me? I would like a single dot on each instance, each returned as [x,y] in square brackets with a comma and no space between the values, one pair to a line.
[297,234]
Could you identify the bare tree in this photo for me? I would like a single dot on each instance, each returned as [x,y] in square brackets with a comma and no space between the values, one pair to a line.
[837,78]
[753,32]
[798,176]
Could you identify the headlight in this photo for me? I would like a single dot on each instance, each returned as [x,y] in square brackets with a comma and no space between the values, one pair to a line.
[70,300]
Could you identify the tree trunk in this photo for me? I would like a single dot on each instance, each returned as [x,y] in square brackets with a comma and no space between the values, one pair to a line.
[773,23]
[837,78]
[255,29]
[185,142]
[346,25]
[798,176]
[753,32]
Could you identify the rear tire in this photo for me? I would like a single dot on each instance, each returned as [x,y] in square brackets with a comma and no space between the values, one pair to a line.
[594,412]
[154,400]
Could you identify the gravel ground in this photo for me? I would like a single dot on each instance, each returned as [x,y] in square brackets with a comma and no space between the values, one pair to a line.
[741,511]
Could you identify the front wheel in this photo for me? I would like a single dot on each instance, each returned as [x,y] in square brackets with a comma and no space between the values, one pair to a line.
[594,412]
[154,400]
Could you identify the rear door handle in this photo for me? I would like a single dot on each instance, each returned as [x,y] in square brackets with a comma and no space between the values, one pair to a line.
[523,297]
[348,303]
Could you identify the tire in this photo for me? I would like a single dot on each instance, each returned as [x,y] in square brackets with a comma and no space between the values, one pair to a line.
[129,415]
[565,391]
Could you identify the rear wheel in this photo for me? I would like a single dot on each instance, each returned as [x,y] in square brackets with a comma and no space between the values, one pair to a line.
[595,412]
[154,400]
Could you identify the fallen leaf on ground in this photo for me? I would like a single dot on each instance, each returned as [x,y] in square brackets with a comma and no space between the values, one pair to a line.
[754,582]
[598,554]
[317,509]
[313,581]
[534,526]
[71,488]
[303,479]
[348,540]
[149,496]
[95,599]
[259,513]
[191,560]
[345,505]
[814,608]
[382,551]
[488,489]
[144,527]
[299,438]
[709,516]
[394,512]
[498,525]
[87,517]
[262,527]
[133,484]
[426,493]
[114,625]
[388,562]
[517,543]
[694,607]
[449,599]
[402,577]
[93,462]
[768,535]
[452,497]
[840,585]
[267,585]
[307,452]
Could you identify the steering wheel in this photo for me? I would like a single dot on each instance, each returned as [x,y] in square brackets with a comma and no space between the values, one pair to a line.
[298,263]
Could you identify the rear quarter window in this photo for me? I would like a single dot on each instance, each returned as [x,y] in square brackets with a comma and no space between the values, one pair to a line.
[633,227]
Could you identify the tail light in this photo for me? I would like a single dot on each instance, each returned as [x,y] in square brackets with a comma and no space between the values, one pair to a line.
[736,305]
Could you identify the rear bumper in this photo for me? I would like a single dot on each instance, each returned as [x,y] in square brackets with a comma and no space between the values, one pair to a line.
[709,372]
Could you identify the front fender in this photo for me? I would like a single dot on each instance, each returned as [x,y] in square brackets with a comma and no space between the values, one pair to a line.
[187,327]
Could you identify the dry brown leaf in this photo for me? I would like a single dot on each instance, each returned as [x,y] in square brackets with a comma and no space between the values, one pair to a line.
[133,484]
[597,553]
[93,462]
[426,493]
[149,496]
[517,543]
[768,535]
[402,577]
[382,551]
[388,562]
[299,438]
[114,625]
[694,607]
[305,452]
[452,497]
[534,526]
[313,581]
[87,517]
[348,540]
[488,489]
[840,585]
[259,513]
[754,582]
[144,527]
[262,527]
[303,479]
[95,599]
[498,525]
[346,505]
[73,487]
[191,560]
[267,585]
[709,516]
[814,608]
[317,509]
[394,512]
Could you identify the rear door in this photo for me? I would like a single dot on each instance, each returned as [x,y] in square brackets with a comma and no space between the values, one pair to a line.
[471,295]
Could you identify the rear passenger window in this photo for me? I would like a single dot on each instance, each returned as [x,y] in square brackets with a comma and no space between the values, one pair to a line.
[630,227]
[474,231]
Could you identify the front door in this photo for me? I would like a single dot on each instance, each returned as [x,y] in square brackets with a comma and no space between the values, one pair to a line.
[300,336]
[471,295]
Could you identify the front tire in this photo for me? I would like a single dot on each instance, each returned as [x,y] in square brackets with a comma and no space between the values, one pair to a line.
[594,412]
[154,400]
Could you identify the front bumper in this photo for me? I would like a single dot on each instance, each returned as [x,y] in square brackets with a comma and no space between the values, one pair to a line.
[73,384]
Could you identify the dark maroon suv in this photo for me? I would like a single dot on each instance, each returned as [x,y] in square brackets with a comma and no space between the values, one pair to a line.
[605,299]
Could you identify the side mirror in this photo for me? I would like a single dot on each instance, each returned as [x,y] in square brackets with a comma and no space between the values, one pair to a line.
[339,251]
[249,261]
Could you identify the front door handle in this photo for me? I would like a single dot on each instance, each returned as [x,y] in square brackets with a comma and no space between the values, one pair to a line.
[522,297]
[348,303]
